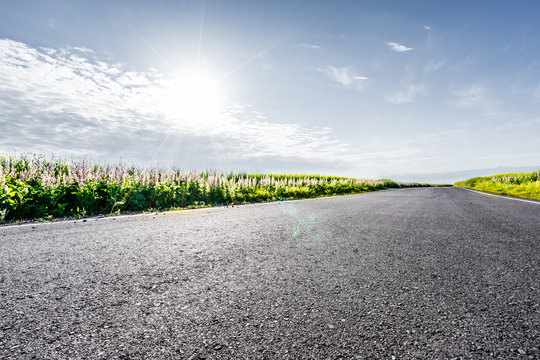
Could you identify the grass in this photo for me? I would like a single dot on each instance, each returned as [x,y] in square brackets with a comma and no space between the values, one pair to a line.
[34,187]
[525,185]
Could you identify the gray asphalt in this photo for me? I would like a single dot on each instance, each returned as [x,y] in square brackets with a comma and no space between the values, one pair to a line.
[428,273]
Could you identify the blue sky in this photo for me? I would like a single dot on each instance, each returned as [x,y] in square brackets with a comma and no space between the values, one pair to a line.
[354,88]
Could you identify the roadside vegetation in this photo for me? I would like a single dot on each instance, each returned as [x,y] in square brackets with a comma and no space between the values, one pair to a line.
[37,188]
[525,185]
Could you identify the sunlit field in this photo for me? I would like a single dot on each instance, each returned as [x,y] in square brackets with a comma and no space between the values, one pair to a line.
[526,185]
[37,188]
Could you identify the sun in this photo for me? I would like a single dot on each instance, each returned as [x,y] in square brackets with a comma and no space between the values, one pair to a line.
[194,96]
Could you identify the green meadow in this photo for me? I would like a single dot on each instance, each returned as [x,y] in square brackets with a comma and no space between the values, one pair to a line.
[525,185]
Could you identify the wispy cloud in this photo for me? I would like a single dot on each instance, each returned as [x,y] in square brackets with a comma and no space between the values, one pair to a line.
[427,27]
[345,76]
[68,101]
[473,95]
[310,46]
[83,49]
[483,100]
[434,66]
[409,95]
[398,47]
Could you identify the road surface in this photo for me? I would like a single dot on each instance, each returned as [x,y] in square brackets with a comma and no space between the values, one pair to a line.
[408,273]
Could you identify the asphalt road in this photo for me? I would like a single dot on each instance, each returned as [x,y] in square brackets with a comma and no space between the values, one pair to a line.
[428,273]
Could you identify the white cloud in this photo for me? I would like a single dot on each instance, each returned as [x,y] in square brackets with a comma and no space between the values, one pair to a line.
[83,49]
[67,101]
[434,66]
[427,27]
[311,46]
[481,99]
[345,76]
[398,47]
[51,23]
[409,95]
[473,95]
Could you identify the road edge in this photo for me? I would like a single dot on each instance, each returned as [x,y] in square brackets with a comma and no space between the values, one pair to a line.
[168,212]
[537,202]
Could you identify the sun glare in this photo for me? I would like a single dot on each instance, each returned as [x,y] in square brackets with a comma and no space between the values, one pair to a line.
[193,96]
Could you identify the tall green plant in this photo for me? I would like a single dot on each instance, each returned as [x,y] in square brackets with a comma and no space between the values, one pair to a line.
[35,187]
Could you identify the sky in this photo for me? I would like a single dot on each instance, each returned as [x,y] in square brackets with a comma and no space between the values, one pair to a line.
[368,89]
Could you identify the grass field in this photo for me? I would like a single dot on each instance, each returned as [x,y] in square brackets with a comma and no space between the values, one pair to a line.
[525,185]
[37,188]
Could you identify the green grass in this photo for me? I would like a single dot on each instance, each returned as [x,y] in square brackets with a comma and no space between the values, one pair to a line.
[525,185]
[38,188]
